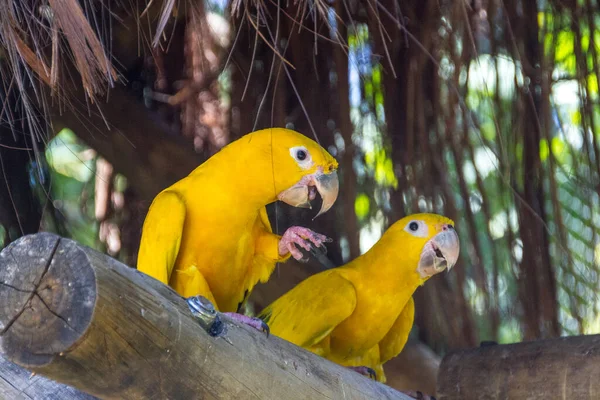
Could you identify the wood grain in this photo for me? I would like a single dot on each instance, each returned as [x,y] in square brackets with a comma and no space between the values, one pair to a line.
[16,383]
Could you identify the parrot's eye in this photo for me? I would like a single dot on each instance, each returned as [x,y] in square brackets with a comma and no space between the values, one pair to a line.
[302,156]
[417,228]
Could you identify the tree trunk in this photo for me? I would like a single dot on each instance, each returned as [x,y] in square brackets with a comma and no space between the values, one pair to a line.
[538,283]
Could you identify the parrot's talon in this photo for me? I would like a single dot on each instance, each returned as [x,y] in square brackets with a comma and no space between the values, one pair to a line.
[265,327]
[255,323]
[366,371]
[372,374]
[299,237]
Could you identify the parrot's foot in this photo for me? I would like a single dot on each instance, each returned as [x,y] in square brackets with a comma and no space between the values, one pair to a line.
[418,395]
[256,323]
[366,371]
[301,237]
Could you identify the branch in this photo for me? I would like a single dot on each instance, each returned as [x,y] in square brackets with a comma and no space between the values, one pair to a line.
[564,368]
[83,319]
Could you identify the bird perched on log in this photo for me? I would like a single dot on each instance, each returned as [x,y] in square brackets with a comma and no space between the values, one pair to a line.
[209,233]
[359,315]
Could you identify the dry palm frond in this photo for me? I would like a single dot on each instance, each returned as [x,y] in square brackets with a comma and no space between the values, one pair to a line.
[26,33]
[40,42]
[91,60]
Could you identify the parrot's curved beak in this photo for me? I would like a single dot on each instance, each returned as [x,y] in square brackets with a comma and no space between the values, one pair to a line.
[439,253]
[300,195]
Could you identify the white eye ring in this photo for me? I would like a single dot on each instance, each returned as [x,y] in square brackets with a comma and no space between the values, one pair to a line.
[302,156]
[417,228]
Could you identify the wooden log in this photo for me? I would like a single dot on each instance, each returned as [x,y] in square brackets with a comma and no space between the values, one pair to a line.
[563,368]
[83,319]
[18,383]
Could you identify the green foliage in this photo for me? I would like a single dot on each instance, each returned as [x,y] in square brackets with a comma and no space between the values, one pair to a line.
[361,206]
[381,164]
[368,117]
[564,51]
[65,154]
[2,235]
[72,173]
[559,150]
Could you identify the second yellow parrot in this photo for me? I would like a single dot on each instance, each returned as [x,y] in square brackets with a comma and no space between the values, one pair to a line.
[209,233]
[359,315]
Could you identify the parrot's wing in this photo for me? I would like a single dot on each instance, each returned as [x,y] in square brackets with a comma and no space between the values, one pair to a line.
[393,343]
[161,236]
[308,313]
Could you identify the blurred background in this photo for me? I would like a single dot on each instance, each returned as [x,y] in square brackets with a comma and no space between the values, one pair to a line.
[484,111]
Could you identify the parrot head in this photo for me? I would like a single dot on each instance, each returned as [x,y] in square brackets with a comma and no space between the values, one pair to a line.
[300,168]
[434,239]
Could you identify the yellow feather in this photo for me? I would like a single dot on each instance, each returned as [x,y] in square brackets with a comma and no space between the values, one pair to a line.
[359,314]
[209,234]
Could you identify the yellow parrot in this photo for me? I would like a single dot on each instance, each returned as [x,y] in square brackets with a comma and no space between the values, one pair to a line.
[359,315]
[209,233]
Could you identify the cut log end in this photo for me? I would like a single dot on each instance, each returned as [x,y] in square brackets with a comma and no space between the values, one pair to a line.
[38,318]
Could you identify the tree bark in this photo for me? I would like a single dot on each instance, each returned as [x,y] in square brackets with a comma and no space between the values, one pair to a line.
[537,283]
[564,368]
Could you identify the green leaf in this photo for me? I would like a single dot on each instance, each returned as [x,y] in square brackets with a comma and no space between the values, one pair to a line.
[120,183]
[368,90]
[576,117]
[377,74]
[592,84]
[565,51]
[361,206]
[544,150]
[488,130]
[559,149]
[66,156]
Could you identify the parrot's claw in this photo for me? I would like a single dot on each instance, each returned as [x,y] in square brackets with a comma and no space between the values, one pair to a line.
[303,237]
[256,323]
[418,395]
[366,371]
